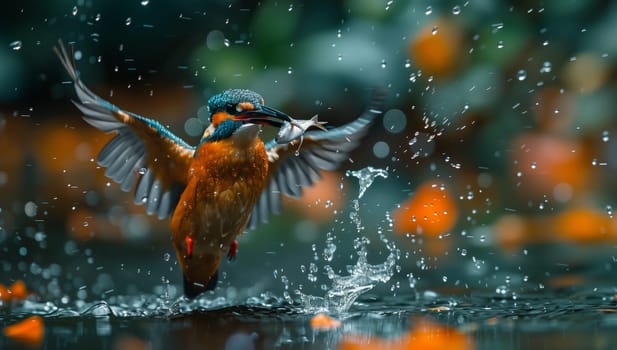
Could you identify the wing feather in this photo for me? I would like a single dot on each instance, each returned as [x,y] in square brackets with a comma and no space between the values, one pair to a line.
[291,170]
[140,143]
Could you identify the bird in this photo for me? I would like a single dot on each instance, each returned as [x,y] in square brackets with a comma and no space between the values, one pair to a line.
[231,181]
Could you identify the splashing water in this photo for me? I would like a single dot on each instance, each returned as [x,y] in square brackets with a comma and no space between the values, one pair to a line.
[346,289]
[147,305]
[366,177]
[362,276]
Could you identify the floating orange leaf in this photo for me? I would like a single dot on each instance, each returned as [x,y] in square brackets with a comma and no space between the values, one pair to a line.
[29,331]
[323,321]
[430,211]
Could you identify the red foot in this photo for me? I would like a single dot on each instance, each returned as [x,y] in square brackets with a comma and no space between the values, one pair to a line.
[233,250]
[189,246]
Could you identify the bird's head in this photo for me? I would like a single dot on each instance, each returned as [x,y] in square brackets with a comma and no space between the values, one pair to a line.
[232,109]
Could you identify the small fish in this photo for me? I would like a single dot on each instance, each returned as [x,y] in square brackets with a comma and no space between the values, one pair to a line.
[294,129]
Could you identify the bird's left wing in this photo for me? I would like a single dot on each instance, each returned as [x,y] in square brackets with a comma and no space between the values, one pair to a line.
[298,164]
[141,148]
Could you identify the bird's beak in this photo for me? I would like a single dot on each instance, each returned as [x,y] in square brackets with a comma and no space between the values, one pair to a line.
[264,115]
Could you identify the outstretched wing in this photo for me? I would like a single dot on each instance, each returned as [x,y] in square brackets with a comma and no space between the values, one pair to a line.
[290,170]
[142,149]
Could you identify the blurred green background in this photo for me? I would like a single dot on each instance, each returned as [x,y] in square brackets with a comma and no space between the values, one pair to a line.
[506,107]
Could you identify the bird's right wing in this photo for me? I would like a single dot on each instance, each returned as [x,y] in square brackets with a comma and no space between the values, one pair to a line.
[291,169]
[142,150]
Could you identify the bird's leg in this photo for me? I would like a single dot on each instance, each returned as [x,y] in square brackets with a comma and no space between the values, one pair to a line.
[233,250]
[189,246]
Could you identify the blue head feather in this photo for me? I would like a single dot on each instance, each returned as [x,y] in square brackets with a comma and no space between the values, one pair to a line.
[228,99]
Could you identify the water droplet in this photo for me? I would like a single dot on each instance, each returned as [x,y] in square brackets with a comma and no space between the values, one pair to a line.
[605,136]
[500,44]
[145,2]
[501,290]
[521,75]
[456,10]
[428,10]
[30,209]
[15,45]
[290,70]
[547,67]
[97,17]
[75,10]
[128,21]
[434,31]
[383,64]
[533,165]
[166,256]
[366,177]
[407,63]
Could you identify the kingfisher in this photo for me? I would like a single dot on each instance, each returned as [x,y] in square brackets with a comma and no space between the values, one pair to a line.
[230,181]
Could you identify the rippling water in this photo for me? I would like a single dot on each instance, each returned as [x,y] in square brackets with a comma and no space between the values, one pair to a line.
[582,319]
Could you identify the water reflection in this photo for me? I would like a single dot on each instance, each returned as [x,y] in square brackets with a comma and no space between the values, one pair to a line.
[400,322]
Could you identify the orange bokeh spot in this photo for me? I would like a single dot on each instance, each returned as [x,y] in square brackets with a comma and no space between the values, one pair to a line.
[511,231]
[546,162]
[583,225]
[323,322]
[29,331]
[436,48]
[17,291]
[319,202]
[430,211]
[425,335]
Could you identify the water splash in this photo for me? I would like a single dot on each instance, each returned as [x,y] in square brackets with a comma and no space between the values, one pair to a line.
[362,276]
[366,177]
[346,289]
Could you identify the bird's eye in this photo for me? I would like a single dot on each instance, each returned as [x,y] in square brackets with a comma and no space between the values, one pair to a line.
[232,108]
